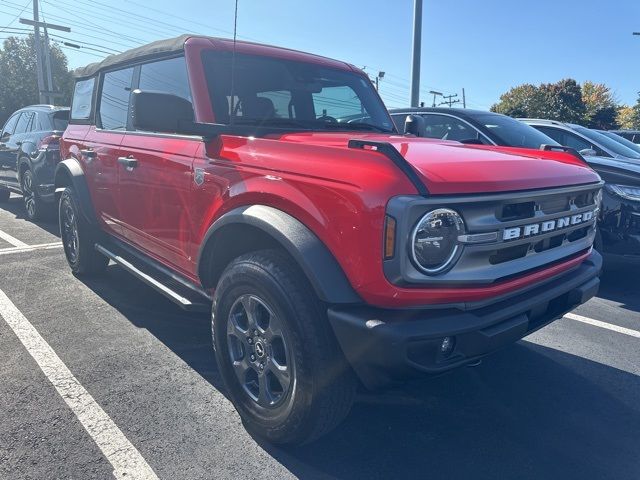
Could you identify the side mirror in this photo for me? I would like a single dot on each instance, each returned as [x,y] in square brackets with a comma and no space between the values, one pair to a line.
[161,112]
[415,125]
[588,152]
[5,136]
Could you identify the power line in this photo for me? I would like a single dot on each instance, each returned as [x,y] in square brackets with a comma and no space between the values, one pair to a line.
[16,17]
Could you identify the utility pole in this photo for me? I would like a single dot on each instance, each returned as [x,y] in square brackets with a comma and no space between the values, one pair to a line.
[464,99]
[449,100]
[417,46]
[38,46]
[435,94]
[43,58]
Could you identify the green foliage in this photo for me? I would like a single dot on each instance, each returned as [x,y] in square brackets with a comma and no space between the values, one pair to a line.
[601,106]
[19,85]
[591,104]
[627,118]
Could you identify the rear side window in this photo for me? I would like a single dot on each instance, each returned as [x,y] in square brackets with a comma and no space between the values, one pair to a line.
[114,99]
[167,76]
[24,123]
[82,96]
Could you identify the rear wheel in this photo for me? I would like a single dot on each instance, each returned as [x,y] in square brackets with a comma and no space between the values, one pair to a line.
[33,204]
[78,237]
[282,366]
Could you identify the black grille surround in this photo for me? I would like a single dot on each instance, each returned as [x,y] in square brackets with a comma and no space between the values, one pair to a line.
[498,258]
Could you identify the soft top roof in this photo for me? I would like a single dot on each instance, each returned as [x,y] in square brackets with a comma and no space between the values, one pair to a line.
[176,45]
[167,46]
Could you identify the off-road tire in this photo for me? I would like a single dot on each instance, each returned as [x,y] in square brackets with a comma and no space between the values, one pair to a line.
[323,385]
[78,237]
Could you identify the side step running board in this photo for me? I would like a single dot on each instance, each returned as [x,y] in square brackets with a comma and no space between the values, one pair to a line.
[181,300]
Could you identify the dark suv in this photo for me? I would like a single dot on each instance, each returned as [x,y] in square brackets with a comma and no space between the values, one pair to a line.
[29,153]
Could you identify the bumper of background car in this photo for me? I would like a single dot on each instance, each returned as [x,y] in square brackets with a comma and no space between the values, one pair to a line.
[384,346]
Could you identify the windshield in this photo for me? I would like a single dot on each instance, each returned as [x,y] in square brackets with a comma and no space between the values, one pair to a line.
[270,91]
[513,133]
[621,140]
[608,143]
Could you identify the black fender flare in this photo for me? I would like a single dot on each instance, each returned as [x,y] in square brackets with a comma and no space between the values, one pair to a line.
[70,171]
[316,261]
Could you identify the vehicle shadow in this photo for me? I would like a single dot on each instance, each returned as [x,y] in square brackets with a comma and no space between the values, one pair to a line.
[15,207]
[526,412]
[618,281]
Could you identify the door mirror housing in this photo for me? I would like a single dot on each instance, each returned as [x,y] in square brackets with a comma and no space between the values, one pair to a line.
[161,112]
[5,136]
[415,125]
[588,152]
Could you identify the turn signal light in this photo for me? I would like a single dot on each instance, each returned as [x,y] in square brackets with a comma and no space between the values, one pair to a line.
[389,237]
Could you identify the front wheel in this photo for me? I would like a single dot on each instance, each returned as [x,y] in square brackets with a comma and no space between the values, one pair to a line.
[78,237]
[276,352]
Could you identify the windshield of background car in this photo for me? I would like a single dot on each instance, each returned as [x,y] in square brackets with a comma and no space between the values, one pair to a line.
[271,91]
[620,139]
[607,143]
[514,133]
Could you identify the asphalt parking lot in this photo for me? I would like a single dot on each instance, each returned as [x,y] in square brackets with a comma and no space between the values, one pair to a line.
[562,403]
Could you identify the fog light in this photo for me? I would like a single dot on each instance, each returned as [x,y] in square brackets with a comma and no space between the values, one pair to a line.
[447,345]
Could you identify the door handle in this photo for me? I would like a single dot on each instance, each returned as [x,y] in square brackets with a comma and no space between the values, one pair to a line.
[88,153]
[128,162]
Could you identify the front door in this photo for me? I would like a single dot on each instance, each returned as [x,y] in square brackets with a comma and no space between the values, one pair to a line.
[12,136]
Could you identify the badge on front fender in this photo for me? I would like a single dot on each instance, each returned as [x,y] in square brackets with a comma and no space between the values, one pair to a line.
[198,176]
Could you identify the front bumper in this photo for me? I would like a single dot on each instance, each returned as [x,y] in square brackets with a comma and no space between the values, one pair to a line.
[384,346]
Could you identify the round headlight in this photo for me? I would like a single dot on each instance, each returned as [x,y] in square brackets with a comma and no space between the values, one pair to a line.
[434,242]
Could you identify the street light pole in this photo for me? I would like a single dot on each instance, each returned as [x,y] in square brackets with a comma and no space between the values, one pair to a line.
[417,46]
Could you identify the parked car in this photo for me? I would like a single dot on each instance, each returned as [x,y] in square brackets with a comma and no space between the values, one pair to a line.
[330,250]
[472,127]
[29,153]
[631,135]
[589,143]
[619,167]
[620,139]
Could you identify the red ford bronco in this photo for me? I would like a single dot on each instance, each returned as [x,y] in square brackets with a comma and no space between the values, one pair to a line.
[273,185]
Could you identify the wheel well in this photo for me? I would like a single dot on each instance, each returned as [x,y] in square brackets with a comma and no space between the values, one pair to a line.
[228,243]
[23,164]
[62,179]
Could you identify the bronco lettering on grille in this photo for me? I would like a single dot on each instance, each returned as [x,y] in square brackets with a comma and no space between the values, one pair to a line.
[531,229]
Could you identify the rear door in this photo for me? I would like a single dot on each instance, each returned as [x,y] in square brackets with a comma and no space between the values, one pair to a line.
[7,156]
[102,146]
[156,175]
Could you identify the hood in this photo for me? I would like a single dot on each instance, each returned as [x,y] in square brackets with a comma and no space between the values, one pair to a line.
[453,168]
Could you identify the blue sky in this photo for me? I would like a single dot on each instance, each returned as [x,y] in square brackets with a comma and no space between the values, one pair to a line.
[485,46]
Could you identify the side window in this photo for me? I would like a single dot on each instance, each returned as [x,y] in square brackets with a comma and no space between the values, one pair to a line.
[281,101]
[450,128]
[337,102]
[167,76]
[24,123]
[41,122]
[82,96]
[114,99]
[10,126]
[399,120]
[566,138]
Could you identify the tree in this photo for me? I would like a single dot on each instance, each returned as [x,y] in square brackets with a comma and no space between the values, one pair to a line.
[627,118]
[522,101]
[19,85]
[556,101]
[563,101]
[601,107]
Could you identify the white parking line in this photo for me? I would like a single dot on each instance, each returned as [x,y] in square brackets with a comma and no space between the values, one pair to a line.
[127,462]
[598,323]
[30,248]
[12,240]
